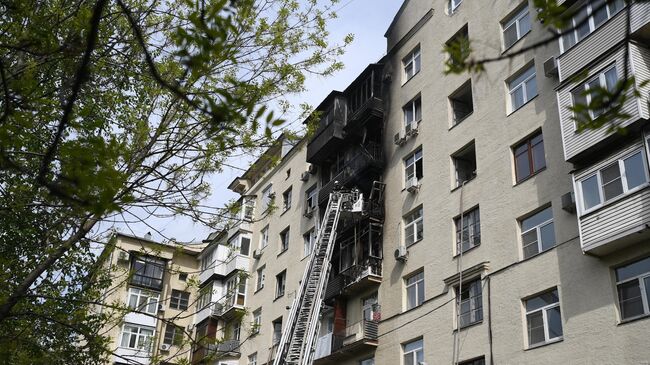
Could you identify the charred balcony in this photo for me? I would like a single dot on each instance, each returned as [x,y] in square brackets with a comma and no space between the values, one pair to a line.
[330,133]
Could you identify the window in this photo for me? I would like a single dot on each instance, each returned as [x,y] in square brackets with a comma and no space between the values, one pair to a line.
[309,239]
[240,244]
[137,337]
[543,318]
[584,94]
[468,232]
[311,198]
[267,196]
[248,208]
[179,299]
[461,103]
[370,308]
[346,254]
[182,276]
[205,296]
[588,18]
[633,286]
[465,164]
[257,321]
[206,261]
[260,278]
[236,330]
[537,232]
[470,301]
[458,49]
[477,361]
[618,178]
[148,272]
[277,330]
[173,335]
[515,27]
[284,240]
[522,88]
[264,237]
[453,5]
[286,200]
[413,227]
[413,167]
[280,282]
[288,174]
[252,359]
[236,291]
[370,361]
[411,64]
[529,157]
[413,352]
[412,113]
[414,290]
[143,300]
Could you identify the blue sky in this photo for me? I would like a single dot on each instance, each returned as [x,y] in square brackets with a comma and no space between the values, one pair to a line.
[368,21]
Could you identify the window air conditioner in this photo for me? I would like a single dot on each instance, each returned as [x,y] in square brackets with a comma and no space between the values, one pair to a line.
[411,129]
[413,185]
[161,308]
[312,169]
[123,256]
[304,176]
[165,347]
[257,254]
[399,138]
[569,202]
[550,67]
[309,212]
[401,254]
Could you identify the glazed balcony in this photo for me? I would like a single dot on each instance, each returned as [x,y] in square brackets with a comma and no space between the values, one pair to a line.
[223,268]
[208,353]
[370,157]
[330,134]
[357,278]
[356,339]
[364,97]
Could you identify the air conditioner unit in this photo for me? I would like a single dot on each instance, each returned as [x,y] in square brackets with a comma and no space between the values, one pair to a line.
[569,202]
[399,138]
[123,256]
[309,212]
[413,185]
[550,67]
[257,254]
[161,308]
[411,129]
[388,77]
[401,254]
[312,169]
[304,176]
[165,347]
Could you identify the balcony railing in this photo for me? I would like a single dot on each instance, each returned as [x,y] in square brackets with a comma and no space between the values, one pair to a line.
[366,273]
[370,266]
[370,155]
[357,336]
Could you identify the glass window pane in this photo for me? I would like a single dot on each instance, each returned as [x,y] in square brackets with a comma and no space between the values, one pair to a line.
[535,328]
[537,219]
[633,270]
[410,296]
[408,359]
[613,189]
[524,24]
[411,346]
[539,161]
[554,322]
[510,35]
[517,98]
[611,78]
[420,293]
[568,40]
[542,300]
[547,234]
[583,28]
[599,12]
[531,88]
[522,165]
[590,193]
[634,170]
[629,296]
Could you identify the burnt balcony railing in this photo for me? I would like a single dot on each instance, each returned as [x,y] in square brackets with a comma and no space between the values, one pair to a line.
[366,273]
[362,331]
[372,109]
[325,141]
[370,266]
[369,156]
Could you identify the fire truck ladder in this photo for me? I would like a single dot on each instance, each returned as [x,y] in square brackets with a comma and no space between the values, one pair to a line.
[298,338]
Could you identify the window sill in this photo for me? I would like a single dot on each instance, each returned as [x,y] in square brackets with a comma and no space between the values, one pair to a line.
[542,344]
[633,319]
[524,104]
[283,251]
[468,250]
[258,289]
[410,78]
[278,297]
[468,326]
[506,49]
[284,210]
[413,243]
[454,125]
[466,182]
[530,176]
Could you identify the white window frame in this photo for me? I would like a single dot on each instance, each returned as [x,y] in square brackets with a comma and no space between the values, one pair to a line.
[248,208]
[475,215]
[286,199]
[419,281]
[585,86]
[368,306]
[143,342]
[257,321]
[309,239]
[252,359]
[473,308]
[264,237]
[515,20]
[413,353]
[642,288]
[415,107]
[267,192]
[413,60]
[453,5]
[410,163]
[311,198]
[538,230]
[285,233]
[512,88]
[544,310]
[206,260]
[261,277]
[590,21]
[205,296]
[152,299]
[180,300]
[281,284]
[601,194]
[411,222]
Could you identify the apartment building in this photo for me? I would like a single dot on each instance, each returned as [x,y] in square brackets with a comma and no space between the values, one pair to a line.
[152,282]
[492,230]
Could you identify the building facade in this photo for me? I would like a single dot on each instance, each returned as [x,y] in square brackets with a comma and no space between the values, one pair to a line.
[494,230]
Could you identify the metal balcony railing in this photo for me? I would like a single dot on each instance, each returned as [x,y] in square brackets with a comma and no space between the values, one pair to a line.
[364,330]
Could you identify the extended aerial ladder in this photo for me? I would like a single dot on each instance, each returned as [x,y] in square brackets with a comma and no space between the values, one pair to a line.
[298,338]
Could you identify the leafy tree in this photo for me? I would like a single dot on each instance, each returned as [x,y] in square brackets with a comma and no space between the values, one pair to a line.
[114,109]
[557,19]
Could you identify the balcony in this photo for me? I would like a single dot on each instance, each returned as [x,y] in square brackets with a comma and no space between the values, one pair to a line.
[228,308]
[209,353]
[603,38]
[582,147]
[330,133]
[354,171]
[355,339]
[355,279]
[222,269]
